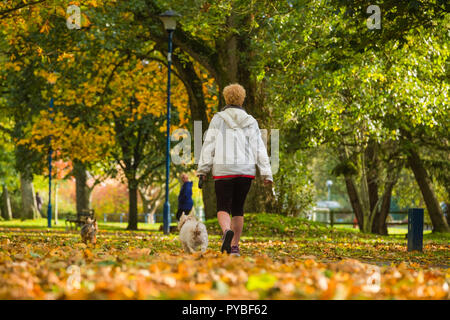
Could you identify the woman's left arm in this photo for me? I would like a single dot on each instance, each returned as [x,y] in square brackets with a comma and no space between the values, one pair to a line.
[260,152]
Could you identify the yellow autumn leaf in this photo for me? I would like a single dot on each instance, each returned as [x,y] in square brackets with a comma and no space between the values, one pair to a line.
[45,28]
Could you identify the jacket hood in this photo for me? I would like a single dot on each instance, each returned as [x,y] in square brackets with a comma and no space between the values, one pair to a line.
[236,118]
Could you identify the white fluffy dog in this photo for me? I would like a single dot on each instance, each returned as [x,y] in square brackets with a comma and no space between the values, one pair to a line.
[193,233]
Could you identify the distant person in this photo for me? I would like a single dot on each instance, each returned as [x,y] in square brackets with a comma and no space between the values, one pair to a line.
[38,202]
[185,202]
[233,165]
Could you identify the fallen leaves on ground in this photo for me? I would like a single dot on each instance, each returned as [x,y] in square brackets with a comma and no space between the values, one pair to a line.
[55,265]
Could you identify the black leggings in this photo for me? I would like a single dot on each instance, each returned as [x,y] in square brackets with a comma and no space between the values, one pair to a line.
[231,194]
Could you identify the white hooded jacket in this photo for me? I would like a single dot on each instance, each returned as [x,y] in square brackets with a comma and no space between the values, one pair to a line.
[233,147]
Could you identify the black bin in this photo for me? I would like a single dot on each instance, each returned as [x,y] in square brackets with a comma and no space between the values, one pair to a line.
[415,229]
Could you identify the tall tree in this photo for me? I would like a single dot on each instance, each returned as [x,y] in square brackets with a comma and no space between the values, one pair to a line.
[356,89]
[223,44]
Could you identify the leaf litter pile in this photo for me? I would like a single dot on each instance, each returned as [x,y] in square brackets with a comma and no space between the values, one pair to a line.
[43,264]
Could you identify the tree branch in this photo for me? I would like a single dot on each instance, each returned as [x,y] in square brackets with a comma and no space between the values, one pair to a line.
[5,12]
[109,79]
[148,170]
[196,48]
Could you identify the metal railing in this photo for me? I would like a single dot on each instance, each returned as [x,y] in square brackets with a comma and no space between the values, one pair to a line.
[114,217]
[123,217]
[347,217]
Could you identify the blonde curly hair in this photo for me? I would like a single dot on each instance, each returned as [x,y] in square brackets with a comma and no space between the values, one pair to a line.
[234,94]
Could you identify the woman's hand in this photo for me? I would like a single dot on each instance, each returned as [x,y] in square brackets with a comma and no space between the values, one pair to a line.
[201,179]
[267,182]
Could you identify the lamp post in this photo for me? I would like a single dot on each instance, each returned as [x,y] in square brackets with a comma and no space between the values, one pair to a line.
[329,184]
[169,19]
[50,153]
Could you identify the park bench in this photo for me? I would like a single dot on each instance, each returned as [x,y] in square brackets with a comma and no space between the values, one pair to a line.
[75,221]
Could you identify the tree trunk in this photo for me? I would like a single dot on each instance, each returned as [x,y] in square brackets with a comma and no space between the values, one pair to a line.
[372,170]
[426,187]
[156,206]
[194,87]
[364,196]
[372,165]
[6,204]
[133,205]
[29,206]
[151,199]
[146,203]
[354,200]
[379,225]
[82,190]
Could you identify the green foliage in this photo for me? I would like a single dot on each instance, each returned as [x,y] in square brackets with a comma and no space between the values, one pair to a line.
[294,189]
[344,85]
[338,82]
[7,169]
[323,161]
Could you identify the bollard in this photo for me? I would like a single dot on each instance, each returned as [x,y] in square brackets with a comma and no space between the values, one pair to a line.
[146,217]
[121,217]
[415,229]
[104,217]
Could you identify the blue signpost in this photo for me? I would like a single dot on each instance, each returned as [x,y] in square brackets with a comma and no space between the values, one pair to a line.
[415,229]
[50,153]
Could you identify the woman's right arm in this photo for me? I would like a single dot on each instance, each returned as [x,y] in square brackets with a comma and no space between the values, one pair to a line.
[209,145]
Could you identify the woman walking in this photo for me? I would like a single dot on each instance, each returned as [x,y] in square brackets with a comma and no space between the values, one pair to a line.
[233,148]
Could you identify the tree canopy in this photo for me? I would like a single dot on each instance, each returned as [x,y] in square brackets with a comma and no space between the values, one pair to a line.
[375,98]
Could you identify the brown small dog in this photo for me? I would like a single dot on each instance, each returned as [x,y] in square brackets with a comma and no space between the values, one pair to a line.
[89,231]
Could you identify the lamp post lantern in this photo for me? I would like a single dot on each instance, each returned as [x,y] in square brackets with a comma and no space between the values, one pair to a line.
[169,19]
